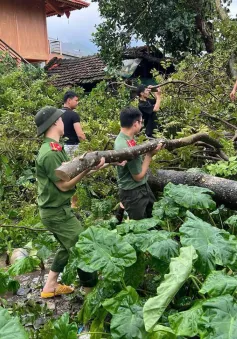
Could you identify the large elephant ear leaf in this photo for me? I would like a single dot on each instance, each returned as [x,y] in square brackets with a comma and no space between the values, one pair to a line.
[128,323]
[162,332]
[190,197]
[10,327]
[219,319]
[101,249]
[214,247]
[180,269]
[186,323]
[166,208]
[218,283]
[137,226]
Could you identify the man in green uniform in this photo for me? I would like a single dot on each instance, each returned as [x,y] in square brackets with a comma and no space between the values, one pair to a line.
[54,197]
[135,193]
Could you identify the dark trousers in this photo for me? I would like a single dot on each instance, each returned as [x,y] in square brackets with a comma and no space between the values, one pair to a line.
[138,202]
[150,123]
[66,229]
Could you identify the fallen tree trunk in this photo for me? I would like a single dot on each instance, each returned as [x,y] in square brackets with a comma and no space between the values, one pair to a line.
[225,190]
[79,164]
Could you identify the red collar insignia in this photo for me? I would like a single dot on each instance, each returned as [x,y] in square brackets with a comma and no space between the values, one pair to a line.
[55,146]
[131,143]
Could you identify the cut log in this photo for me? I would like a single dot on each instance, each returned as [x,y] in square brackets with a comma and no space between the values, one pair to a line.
[88,160]
[225,190]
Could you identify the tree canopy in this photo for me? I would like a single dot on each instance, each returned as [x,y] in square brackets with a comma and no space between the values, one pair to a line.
[176,27]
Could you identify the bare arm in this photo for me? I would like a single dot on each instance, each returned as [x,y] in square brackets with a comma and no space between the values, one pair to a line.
[234,90]
[65,186]
[146,164]
[79,131]
[158,100]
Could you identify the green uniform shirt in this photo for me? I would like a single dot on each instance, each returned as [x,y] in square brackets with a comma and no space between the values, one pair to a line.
[125,179]
[46,163]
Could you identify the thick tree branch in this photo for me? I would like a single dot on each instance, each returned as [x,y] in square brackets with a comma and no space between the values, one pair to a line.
[225,190]
[89,160]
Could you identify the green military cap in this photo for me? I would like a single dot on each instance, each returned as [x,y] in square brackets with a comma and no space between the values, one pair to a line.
[46,117]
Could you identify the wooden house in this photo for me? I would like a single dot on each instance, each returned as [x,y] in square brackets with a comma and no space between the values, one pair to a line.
[23,25]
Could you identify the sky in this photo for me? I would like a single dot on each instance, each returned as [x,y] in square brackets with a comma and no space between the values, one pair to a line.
[76,31]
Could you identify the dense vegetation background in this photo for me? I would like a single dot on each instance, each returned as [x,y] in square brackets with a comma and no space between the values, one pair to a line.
[173,276]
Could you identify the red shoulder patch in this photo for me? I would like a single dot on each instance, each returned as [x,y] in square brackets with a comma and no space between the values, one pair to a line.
[55,146]
[131,143]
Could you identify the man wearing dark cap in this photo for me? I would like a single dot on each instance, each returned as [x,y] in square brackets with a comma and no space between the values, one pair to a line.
[54,197]
[149,108]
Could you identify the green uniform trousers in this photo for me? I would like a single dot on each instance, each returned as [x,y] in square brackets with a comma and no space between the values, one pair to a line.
[66,228]
[138,202]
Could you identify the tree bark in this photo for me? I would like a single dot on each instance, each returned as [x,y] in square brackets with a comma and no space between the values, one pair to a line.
[88,160]
[207,33]
[225,190]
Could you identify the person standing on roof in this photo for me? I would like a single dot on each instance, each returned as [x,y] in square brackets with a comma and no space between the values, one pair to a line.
[149,108]
[71,121]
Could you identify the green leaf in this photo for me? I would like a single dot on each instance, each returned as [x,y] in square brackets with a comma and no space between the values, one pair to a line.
[180,269]
[166,208]
[219,319]
[64,330]
[128,323]
[134,275]
[93,301]
[101,249]
[162,332]
[7,284]
[10,327]
[214,247]
[190,197]
[186,323]
[217,283]
[141,241]
[137,226]
[164,250]
[97,325]
[43,253]
[24,265]
[125,298]
[232,221]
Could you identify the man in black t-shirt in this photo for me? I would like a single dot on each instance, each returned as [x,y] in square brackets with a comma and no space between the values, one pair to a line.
[149,108]
[71,120]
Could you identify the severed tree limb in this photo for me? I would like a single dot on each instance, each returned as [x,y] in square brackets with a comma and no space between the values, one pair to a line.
[225,190]
[87,161]
[175,82]
[26,228]
[219,119]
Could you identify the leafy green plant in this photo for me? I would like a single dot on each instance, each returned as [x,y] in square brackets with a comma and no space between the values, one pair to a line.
[180,269]
[7,283]
[214,246]
[10,326]
[101,249]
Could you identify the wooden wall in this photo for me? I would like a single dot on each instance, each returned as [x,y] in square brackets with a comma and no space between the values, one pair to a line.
[23,27]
